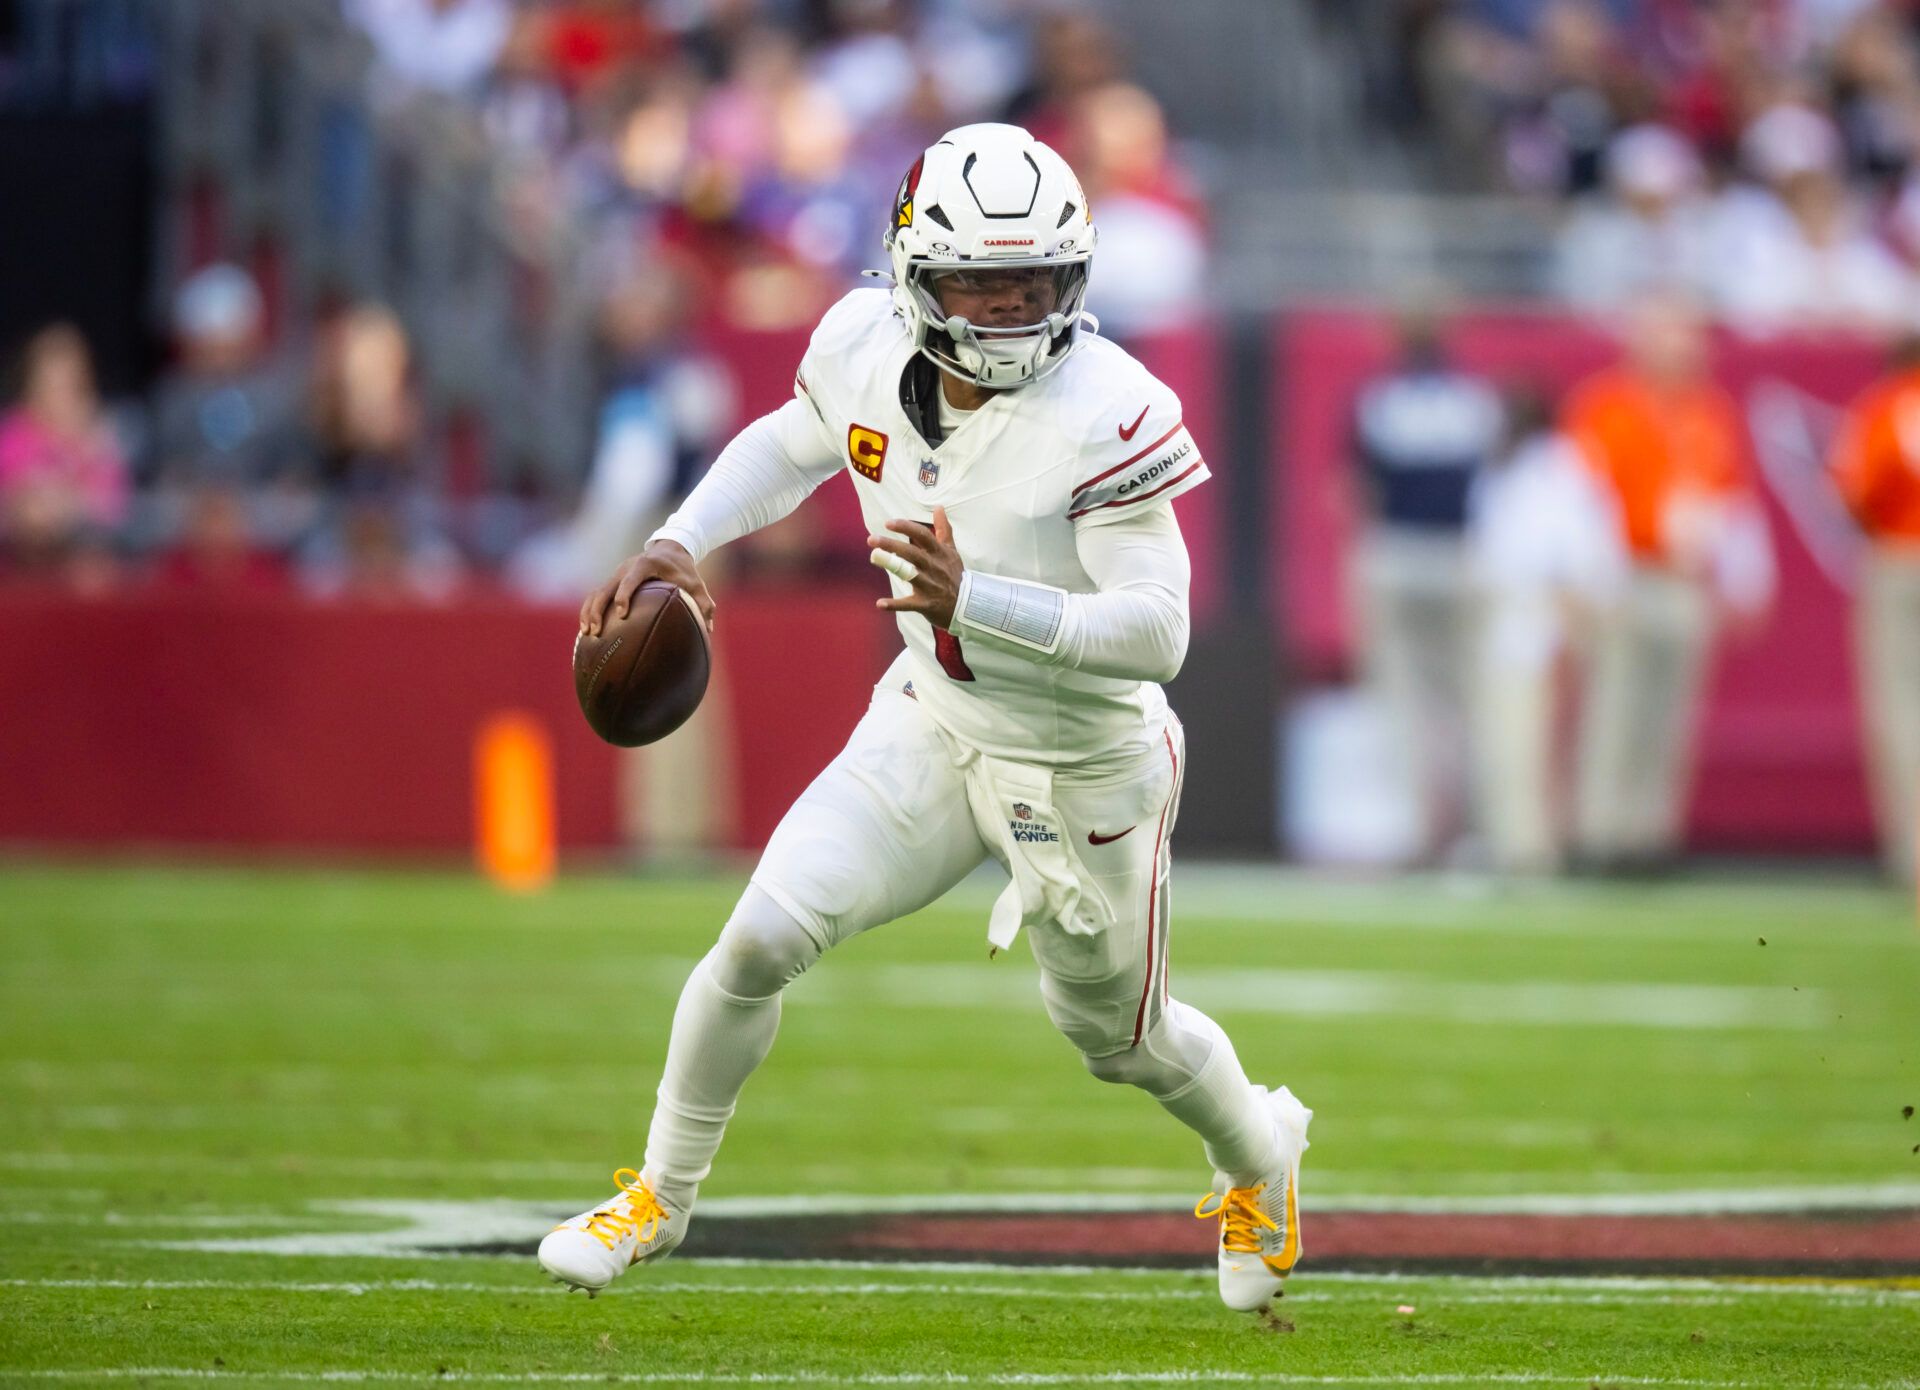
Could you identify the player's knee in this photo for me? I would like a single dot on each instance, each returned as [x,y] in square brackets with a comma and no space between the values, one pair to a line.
[762,949]
[1167,1057]
[1116,1068]
[1137,1066]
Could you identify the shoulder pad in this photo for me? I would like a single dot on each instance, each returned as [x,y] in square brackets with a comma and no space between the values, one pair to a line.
[855,323]
[1136,450]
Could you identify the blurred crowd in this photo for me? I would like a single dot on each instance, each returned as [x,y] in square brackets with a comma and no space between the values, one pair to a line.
[723,165]
[1760,153]
[754,140]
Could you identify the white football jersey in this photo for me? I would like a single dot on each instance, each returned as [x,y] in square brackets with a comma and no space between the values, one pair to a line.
[1096,440]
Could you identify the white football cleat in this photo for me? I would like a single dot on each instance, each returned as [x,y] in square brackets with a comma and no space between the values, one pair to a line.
[1260,1225]
[596,1247]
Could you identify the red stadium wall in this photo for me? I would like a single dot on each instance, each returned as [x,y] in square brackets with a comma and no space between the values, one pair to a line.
[1780,749]
[280,724]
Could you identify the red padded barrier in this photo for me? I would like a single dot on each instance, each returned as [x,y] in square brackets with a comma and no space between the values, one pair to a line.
[274,723]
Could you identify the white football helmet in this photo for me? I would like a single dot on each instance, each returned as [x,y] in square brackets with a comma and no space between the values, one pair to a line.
[987,199]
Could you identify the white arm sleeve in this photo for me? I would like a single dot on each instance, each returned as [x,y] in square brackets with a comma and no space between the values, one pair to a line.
[1134,628]
[769,469]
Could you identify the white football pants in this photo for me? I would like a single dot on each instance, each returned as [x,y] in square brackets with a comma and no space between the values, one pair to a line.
[887,829]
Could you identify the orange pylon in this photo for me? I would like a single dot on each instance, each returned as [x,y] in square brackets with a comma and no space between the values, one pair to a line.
[514,802]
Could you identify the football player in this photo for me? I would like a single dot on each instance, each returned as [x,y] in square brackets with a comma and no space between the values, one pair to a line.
[1015,472]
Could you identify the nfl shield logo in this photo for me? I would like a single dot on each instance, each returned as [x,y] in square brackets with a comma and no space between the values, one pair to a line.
[929,473]
[1022,810]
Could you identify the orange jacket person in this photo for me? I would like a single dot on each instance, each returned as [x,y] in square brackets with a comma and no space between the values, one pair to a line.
[1666,441]
[1876,463]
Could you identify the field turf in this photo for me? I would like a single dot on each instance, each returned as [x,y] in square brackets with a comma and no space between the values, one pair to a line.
[222,1093]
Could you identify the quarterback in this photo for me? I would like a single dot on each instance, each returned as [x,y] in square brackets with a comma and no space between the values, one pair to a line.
[1015,472]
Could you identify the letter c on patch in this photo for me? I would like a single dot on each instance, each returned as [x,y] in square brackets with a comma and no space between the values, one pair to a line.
[866,450]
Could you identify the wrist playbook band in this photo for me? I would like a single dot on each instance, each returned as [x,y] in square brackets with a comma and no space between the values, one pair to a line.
[1031,615]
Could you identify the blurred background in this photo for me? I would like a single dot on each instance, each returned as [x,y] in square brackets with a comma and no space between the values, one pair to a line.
[1558,362]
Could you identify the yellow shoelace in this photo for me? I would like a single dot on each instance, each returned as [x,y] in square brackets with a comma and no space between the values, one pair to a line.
[1240,1218]
[639,1216]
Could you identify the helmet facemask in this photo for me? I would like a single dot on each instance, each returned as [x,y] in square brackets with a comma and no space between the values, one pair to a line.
[997,353]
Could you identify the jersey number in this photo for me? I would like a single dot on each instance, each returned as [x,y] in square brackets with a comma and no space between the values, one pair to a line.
[946,650]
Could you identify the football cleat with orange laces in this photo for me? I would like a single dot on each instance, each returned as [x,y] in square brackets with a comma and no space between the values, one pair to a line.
[1260,1224]
[596,1247]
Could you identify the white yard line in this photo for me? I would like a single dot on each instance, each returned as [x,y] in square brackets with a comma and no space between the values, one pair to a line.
[1365,994]
[1413,1279]
[1442,1289]
[1582,1379]
[143,1219]
[1707,1195]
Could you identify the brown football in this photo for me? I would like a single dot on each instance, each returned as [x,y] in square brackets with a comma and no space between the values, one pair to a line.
[644,675]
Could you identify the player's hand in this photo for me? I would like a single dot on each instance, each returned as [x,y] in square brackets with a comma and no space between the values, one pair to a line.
[924,557]
[663,559]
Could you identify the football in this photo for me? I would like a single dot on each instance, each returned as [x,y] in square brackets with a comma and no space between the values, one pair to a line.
[644,675]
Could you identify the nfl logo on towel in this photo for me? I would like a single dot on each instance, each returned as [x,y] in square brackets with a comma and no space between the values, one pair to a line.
[929,473]
[1022,811]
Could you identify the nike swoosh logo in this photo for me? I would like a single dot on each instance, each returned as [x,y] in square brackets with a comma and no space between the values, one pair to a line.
[1127,432]
[1094,837]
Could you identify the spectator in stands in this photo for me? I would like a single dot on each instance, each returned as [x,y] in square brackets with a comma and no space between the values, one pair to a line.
[1666,441]
[227,413]
[1874,76]
[383,535]
[1720,65]
[63,477]
[665,413]
[867,61]
[1651,229]
[1153,251]
[1566,99]
[1876,462]
[1422,432]
[363,415]
[1797,253]
[217,549]
[1074,53]
[810,203]
[379,549]
[1548,563]
[441,45]
[591,42]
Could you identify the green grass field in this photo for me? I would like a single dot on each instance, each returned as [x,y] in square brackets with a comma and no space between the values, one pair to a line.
[222,1091]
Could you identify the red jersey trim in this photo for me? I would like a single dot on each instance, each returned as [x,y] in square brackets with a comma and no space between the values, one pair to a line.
[1124,501]
[1178,425]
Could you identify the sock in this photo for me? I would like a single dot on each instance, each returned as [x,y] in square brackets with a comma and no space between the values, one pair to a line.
[718,1039]
[1214,1099]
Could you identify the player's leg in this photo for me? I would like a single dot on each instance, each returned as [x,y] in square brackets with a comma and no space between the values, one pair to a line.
[1671,665]
[1392,625]
[882,832]
[1605,749]
[1887,649]
[1109,995]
